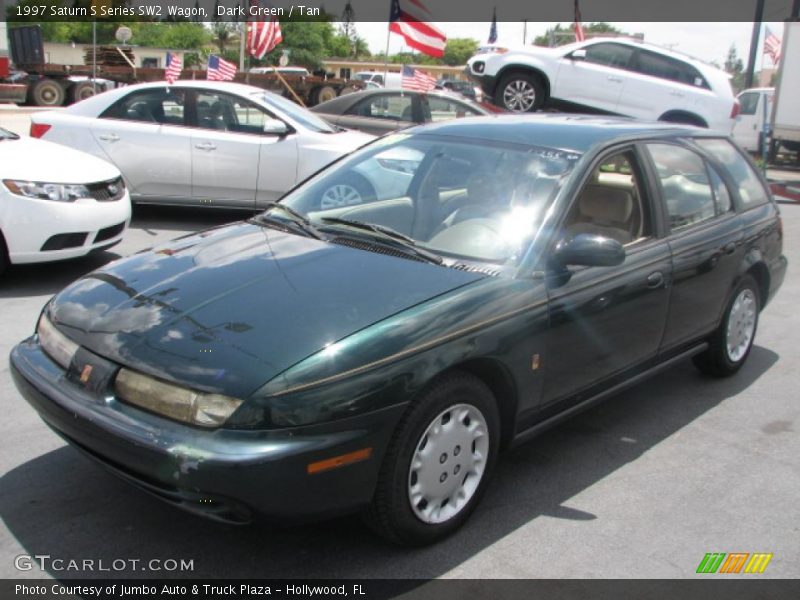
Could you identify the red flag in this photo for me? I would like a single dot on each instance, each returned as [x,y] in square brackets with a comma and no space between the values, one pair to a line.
[410,18]
[579,33]
[772,46]
[262,36]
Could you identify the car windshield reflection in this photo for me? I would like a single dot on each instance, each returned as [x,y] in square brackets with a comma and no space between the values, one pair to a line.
[457,199]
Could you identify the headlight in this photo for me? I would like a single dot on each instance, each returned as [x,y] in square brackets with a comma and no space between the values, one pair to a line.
[55,344]
[173,401]
[61,192]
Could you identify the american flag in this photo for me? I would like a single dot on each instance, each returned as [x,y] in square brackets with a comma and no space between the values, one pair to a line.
[772,46]
[174,67]
[417,80]
[579,33]
[262,36]
[410,18]
[219,69]
[493,29]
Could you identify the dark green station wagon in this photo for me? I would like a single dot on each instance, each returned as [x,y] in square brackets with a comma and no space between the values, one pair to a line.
[470,284]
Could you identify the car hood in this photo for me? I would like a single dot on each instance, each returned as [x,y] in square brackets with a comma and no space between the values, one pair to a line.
[229,309]
[37,160]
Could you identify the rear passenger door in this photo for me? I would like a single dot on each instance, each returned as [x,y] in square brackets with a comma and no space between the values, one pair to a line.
[705,238]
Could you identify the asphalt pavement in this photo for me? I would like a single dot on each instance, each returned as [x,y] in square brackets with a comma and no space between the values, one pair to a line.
[642,486]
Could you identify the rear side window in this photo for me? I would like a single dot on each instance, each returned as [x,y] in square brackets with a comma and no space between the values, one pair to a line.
[385,106]
[664,67]
[157,105]
[685,185]
[751,190]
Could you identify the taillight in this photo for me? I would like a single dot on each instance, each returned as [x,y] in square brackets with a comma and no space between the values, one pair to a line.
[735,110]
[39,129]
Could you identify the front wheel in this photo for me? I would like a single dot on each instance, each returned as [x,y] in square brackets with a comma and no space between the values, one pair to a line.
[351,190]
[520,92]
[438,463]
[731,343]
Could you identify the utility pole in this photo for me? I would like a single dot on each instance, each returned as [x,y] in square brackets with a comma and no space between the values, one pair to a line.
[751,62]
[525,30]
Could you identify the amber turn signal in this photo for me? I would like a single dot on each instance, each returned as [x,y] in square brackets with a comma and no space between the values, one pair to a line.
[339,461]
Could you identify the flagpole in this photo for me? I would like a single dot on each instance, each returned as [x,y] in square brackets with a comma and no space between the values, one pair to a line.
[386,56]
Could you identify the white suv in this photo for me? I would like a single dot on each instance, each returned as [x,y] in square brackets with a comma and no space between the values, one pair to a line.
[607,75]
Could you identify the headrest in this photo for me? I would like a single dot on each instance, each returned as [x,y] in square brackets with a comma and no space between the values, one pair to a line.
[605,203]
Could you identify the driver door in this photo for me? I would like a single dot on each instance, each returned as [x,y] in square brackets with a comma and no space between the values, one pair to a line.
[604,320]
[597,80]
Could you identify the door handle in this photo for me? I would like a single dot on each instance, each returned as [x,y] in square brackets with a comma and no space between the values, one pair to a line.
[109,137]
[655,280]
[615,79]
[729,248]
[206,146]
[676,94]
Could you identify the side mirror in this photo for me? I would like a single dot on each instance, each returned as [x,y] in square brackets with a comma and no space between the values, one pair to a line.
[589,251]
[579,54]
[275,127]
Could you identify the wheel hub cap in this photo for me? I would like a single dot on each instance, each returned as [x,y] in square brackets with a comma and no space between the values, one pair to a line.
[519,96]
[448,463]
[340,195]
[741,325]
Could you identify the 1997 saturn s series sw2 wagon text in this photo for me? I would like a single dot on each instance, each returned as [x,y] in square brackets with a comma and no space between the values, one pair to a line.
[319,358]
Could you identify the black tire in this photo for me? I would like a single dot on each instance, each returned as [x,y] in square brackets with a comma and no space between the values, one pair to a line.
[717,359]
[82,90]
[4,261]
[324,93]
[391,513]
[46,92]
[351,190]
[521,83]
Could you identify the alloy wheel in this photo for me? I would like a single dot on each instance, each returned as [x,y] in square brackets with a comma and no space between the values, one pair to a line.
[741,325]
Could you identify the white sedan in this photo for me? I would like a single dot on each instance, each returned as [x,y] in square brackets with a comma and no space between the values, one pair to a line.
[56,203]
[203,142]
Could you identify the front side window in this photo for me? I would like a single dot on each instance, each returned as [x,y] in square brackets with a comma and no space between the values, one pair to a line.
[685,186]
[157,105]
[751,190]
[749,103]
[609,55]
[455,198]
[611,204]
[224,112]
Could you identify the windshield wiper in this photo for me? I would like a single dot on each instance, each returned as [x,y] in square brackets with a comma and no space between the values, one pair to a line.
[298,220]
[389,234]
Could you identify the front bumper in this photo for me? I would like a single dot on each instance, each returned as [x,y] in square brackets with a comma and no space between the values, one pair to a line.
[28,224]
[229,475]
[486,83]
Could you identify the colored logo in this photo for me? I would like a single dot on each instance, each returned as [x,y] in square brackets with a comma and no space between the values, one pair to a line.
[735,562]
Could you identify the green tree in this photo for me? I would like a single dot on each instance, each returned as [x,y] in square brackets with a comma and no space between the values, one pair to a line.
[459,50]
[185,35]
[735,67]
[224,34]
[564,34]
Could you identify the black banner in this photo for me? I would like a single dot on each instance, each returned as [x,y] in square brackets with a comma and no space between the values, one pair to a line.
[733,588]
[378,10]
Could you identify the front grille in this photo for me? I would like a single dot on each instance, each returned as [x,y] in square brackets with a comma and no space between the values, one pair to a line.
[64,240]
[107,191]
[109,232]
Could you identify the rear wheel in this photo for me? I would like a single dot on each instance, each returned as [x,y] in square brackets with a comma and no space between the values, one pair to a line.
[438,463]
[731,343]
[46,92]
[324,93]
[351,190]
[520,92]
[4,262]
[82,90]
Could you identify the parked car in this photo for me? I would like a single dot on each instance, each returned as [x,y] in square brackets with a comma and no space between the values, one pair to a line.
[465,88]
[56,203]
[381,111]
[748,127]
[608,75]
[379,356]
[200,142]
[388,80]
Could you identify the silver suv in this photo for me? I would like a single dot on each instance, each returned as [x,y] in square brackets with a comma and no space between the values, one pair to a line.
[607,75]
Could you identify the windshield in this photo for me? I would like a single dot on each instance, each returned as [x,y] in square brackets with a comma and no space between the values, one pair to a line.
[297,113]
[457,198]
[5,134]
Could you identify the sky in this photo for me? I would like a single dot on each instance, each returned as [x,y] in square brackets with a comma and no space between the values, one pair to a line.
[706,41]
